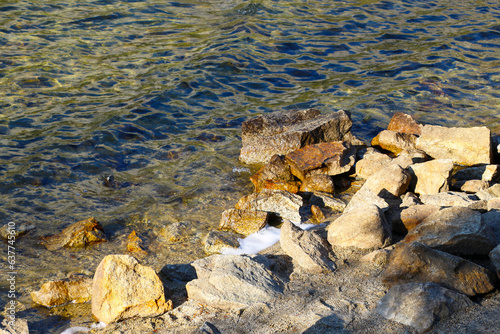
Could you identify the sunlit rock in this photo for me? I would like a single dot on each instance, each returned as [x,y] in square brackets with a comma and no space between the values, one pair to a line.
[318,182]
[431,177]
[404,123]
[77,235]
[244,222]
[75,289]
[394,142]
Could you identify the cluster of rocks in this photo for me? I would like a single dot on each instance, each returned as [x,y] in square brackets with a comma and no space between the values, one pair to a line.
[426,208]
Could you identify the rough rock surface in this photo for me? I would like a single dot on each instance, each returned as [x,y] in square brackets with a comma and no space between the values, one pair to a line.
[432,177]
[421,305]
[404,123]
[466,146]
[243,222]
[492,219]
[318,182]
[487,173]
[307,248]
[76,289]
[233,282]
[77,235]
[216,241]
[364,228]
[415,214]
[122,288]
[281,133]
[394,142]
[276,170]
[495,259]
[471,186]
[363,197]
[135,245]
[371,163]
[323,200]
[416,262]
[449,198]
[391,181]
[455,230]
[490,193]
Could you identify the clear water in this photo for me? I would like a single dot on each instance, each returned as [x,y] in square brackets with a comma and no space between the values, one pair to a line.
[154,93]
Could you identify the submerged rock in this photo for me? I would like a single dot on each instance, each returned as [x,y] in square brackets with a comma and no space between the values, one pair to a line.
[134,244]
[16,326]
[75,289]
[77,235]
[233,282]
[16,230]
[122,288]
[421,305]
[281,133]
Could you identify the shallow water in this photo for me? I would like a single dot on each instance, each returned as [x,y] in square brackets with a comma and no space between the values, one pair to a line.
[154,93]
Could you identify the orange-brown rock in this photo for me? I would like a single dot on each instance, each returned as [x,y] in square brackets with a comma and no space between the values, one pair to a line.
[77,235]
[243,222]
[394,141]
[415,214]
[318,182]
[317,215]
[134,244]
[290,186]
[404,123]
[275,171]
[75,289]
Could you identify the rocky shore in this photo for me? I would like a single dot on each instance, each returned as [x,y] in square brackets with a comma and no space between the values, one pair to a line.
[399,236]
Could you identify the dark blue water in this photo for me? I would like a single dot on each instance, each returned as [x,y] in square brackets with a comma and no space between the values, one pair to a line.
[154,94]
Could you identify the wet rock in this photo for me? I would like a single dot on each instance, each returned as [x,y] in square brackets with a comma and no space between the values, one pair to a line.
[421,305]
[492,219]
[281,133]
[416,262]
[404,123]
[470,186]
[76,289]
[449,198]
[391,181]
[122,288]
[432,177]
[394,141]
[215,241]
[319,156]
[495,259]
[318,182]
[134,245]
[290,186]
[16,326]
[77,235]
[276,170]
[15,229]
[371,163]
[415,214]
[455,230]
[174,232]
[233,282]
[323,200]
[487,173]
[490,193]
[364,228]
[286,205]
[465,146]
[307,248]
[243,222]
[363,197]
[317,216]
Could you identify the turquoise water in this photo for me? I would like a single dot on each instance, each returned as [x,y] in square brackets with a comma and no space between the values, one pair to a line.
[154,94]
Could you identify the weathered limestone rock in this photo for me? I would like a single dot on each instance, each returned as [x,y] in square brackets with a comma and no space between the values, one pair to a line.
[495,259]
[322,200]
[470,186]
[493,204]
[490,193]
[281,133]
[216,241]
[404,123]
[134,245]
[465,146]
[415,214]
[123,288]
[233,282]
[243,222]
[432,177]
[371,163]
[363,197]
[421,305]
[455,230]
[410,199]
[492,219]
[416,262]
[318,156]
[307,248]
[364,228]
[290,186]
[391,181]
[276,170]
[409,157]
[77,235]
[286,205]
[449,198]
[318,182]
[487,173]
[394,141]
[76,289]
[379,257]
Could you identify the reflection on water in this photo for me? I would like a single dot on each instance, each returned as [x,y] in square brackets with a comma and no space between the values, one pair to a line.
[153,93]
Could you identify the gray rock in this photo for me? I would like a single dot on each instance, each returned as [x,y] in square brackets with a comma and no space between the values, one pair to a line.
[233,282]
[455,230]
[431,177]
[421,305]
[449,198]
[391,181]
[490,193]
[281,133]
[495,259]
[363,228]
[217,241]
[466,146]
[416,262]
[492,219]
[307,248]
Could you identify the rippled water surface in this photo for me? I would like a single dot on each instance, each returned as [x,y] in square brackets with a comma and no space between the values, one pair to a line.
[154,94]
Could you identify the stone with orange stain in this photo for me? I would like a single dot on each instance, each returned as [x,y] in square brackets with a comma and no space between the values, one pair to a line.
[244,222]
[275,171]
[404,123]
[394,142]
[77,235]
[134,244]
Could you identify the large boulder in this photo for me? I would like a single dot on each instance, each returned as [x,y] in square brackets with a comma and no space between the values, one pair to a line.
[421,305]
[455,230]
[466,146]
[233,282]
[432,177]
[416,262]
[307,248]
[122,288]
[281,133]
[364,228]
[77,235]
[492,219]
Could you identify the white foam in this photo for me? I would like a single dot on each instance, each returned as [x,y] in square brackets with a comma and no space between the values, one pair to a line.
[260,240]
[73,330]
